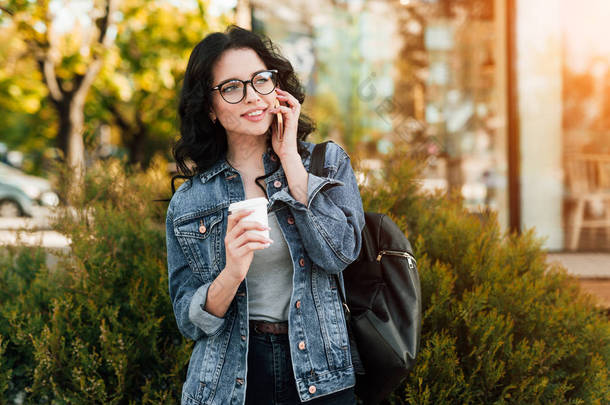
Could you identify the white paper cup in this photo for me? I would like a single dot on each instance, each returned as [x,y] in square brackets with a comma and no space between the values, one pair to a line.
[259,205]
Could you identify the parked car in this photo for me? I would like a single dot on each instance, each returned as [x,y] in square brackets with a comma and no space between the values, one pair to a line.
[36,188]
[14,202]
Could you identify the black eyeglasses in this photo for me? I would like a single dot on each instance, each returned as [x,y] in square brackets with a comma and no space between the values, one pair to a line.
[234,90]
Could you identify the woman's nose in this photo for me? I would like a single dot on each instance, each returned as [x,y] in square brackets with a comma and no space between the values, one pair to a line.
[251,94]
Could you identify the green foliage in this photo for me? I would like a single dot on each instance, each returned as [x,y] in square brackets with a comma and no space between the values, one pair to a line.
[26,119]
[24,308]
[99,327]
[500,325]
[135,93]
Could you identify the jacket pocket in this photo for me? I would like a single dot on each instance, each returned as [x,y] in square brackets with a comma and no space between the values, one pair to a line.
[200,237]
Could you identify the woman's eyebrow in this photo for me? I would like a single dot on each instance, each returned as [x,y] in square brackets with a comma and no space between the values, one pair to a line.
[236,78]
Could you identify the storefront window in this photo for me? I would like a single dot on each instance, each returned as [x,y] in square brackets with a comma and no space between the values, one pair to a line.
[586,124]
[459,71]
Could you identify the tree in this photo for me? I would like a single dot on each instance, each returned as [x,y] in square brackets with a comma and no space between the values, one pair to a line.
[25,117]
[136,91]
[68,65]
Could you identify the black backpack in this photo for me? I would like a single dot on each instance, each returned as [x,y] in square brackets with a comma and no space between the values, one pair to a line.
[382,303]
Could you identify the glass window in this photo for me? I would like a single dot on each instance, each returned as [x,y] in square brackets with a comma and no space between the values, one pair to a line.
[586,124]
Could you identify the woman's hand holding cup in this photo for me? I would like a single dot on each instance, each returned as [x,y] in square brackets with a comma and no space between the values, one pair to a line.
[240,244]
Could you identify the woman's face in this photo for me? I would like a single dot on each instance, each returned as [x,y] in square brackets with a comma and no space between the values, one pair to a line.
[241,64]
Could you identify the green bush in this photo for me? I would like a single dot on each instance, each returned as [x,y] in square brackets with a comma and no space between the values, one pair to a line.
[99,327]
[500,325]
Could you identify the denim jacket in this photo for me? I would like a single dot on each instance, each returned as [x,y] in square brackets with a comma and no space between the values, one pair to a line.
[323,237]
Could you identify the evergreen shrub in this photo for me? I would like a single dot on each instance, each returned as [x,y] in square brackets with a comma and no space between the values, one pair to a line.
[98,328]
[500,325]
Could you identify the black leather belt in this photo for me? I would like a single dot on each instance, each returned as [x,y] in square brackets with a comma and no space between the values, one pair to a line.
[275,328]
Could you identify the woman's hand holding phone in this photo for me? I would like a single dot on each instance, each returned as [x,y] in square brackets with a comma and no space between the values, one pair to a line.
[284,130]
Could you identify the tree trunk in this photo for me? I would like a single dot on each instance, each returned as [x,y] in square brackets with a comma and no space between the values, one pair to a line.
[136,147]
[75,157]
[65,127]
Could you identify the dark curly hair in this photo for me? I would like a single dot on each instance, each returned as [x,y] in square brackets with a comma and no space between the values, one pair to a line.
[201,140]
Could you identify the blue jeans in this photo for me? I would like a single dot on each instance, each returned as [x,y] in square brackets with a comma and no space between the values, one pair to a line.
[271,379]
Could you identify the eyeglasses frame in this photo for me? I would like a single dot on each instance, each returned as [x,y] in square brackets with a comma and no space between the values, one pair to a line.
[245,83]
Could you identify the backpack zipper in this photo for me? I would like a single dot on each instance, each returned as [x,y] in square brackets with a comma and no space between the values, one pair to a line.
[410,258]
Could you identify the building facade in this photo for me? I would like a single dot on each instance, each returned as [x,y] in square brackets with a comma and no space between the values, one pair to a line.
[510,99]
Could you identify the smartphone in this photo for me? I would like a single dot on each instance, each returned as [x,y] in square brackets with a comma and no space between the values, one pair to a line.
[280,122]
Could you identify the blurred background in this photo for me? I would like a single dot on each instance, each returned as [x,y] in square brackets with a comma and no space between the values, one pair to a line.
[508,101]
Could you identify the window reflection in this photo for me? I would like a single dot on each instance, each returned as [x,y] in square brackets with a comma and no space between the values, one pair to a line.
[586,124]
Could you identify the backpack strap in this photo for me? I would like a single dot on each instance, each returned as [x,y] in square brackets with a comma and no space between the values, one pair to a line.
[316,165]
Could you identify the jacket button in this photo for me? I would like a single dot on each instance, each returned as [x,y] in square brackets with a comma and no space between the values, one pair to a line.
[312,389]
[202,228]
[243,337]
[240,381]
[274,158]
[302,345]
[290,220]
[302,262]
[297,304]
[277,184]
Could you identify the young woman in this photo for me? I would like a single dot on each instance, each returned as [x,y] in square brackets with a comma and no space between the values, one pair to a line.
[265,314]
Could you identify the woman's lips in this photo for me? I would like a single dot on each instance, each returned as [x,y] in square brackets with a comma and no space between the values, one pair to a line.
[255,118]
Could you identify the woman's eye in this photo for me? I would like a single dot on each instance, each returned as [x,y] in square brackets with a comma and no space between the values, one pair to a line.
[261,80]
[229,88]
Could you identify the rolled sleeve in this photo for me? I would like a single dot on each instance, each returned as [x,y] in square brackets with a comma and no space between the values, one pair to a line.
[187,292]
[314,185]
[208,323]
[331,224]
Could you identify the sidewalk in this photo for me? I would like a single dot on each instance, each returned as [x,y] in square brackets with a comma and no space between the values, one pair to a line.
[592,270]
[34,231]
[584,265]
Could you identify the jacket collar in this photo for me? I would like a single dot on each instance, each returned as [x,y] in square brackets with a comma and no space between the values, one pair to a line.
[218,167]
[221,164]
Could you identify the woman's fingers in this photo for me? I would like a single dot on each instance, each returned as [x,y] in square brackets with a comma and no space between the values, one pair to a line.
[287,97]
[281,108]
[243,245]
[250,237]
[241,252]
[243,226]
[234,217]
[250,246]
